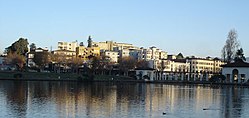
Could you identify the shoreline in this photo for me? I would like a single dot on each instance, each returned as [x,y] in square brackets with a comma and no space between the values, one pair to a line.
[127,81]
[30,76]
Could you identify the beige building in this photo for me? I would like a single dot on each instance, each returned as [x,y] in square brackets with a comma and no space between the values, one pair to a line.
[66,54]
[176,65]
[71,46]
[110,45]
[86,52]
[198,65]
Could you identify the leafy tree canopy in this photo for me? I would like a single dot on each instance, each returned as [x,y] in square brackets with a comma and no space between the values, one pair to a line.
[19,47]
[180,56]
[32,47]
[240,55]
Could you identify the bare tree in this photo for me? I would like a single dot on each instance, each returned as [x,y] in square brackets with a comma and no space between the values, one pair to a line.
[126,64]
[161,68]
[142,64]
[223,53]
[231,46]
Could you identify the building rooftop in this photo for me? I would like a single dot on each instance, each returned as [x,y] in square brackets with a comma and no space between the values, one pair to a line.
[238,63]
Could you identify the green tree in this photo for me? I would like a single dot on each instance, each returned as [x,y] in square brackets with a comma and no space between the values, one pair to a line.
[41,59]
[240,55]
[19,47]
[32,47]
[89,41]
[180,56]
[231,46]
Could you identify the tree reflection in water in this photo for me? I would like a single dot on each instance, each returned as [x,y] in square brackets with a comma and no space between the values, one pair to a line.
[72,99]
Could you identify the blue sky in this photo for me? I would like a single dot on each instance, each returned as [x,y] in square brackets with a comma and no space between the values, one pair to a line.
[193,27]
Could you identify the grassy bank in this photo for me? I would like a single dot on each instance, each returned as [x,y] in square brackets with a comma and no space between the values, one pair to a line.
[37,75]
[57,76]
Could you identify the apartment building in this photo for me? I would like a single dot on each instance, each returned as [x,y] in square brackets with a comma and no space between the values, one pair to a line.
[64,54]
[152,53]
[70,46]
[113,55]
[198,65]
[87,52]
[169,66]
[176,65]
[110,45]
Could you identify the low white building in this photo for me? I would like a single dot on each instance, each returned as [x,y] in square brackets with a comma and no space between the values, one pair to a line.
[145,74]
[31,54]
[236,72]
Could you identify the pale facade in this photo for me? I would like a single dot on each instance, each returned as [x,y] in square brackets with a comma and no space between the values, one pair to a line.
[31,54]
[236,72]
[176,65]
[67,54]
[152,53]
[85,52]
[124,53]
[170,65]
[145,74]
[110,45]
[198,65]
[71,46]
[113,55]
[163,55]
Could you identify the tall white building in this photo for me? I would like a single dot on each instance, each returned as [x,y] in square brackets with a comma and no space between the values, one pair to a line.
[113,55]
[152,53]
[70,46]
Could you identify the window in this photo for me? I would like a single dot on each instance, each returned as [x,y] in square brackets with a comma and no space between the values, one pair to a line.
[243,76]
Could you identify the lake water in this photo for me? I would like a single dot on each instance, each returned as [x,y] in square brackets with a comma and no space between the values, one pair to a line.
[76,100]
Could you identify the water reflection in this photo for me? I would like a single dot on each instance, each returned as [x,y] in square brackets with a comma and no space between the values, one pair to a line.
[65,99]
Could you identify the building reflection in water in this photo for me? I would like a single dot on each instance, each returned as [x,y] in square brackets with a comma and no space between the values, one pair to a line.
[235,102]
[72,99]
